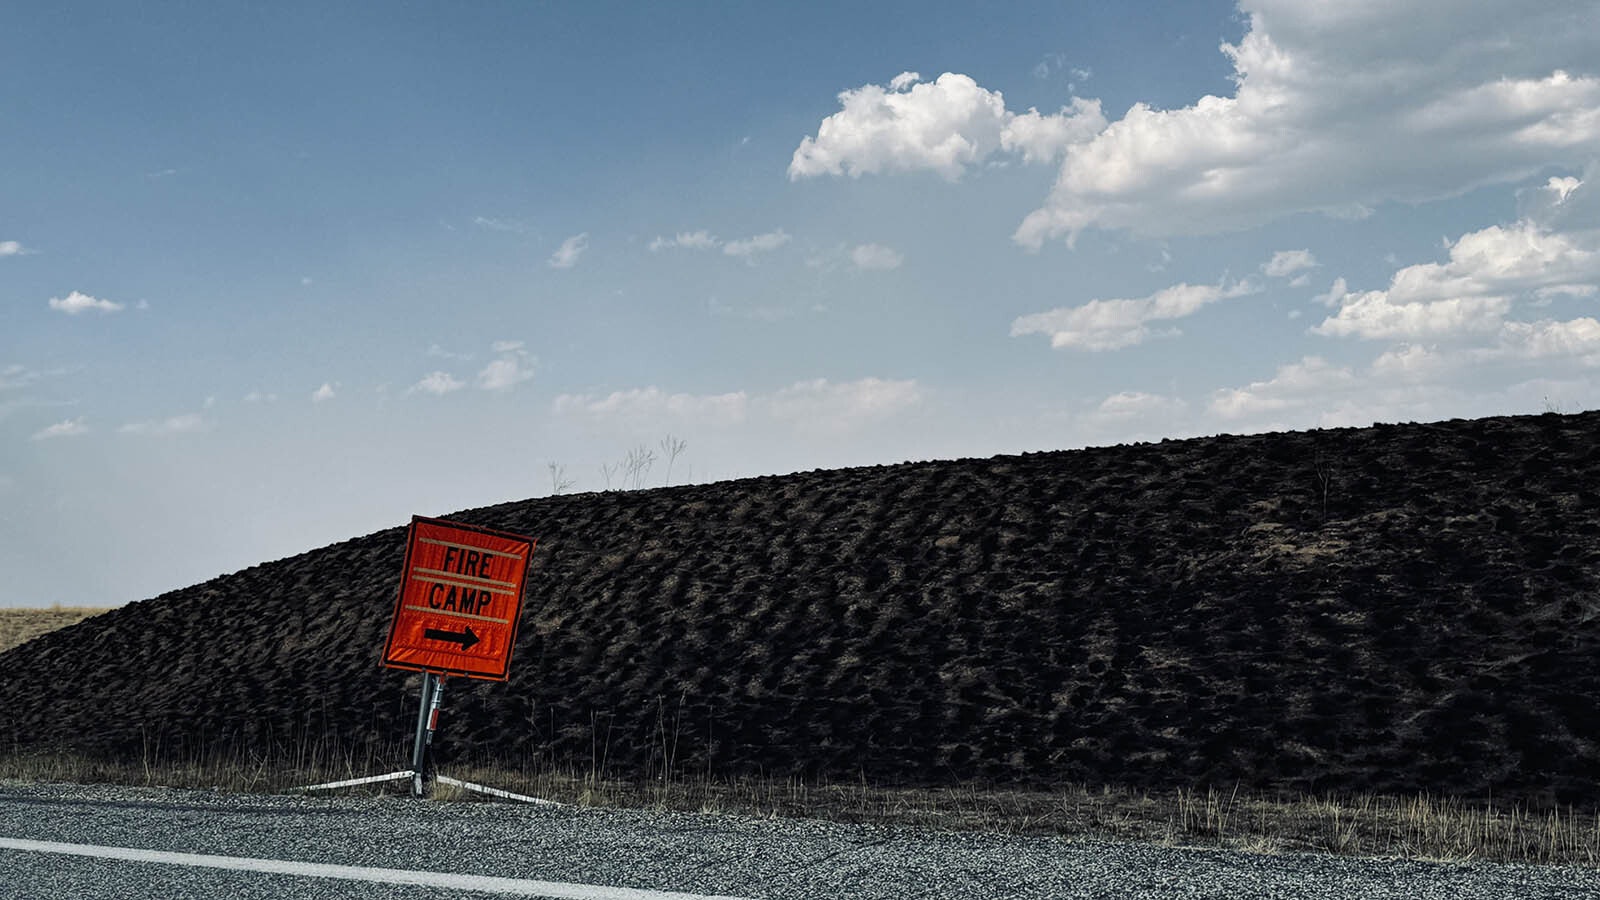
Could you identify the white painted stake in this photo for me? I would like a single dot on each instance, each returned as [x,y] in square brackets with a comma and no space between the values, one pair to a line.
[494,792]
[371,779]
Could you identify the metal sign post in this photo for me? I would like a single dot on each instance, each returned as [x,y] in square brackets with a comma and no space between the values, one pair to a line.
[427,721]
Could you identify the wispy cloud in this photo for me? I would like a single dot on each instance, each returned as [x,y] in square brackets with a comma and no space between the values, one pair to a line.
[15,381]
[322,394]
[1114,324]
[687,240]
[762,243]
[1057,65]
[816,404]
[652,403]
[512,367]
[1128,413]
[876,256]
[437,384]
[507,225]
[835,405]
[17,375]
[434,350]
[185,424]
[68,428]
[1292,386]
[744,248]
[566,256]
[1132,404]
[1287,262]
[13,248]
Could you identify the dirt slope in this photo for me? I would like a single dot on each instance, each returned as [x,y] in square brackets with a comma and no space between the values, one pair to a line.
[1393,608]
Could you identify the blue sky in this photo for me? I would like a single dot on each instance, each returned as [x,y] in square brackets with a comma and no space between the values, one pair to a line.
[276,275]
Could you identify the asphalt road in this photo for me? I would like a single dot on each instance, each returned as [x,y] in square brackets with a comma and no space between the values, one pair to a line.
[337,847]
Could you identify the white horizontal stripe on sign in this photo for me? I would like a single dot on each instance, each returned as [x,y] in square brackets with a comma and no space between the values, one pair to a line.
[438,543]
[459,615]
[437,577]
[485,883]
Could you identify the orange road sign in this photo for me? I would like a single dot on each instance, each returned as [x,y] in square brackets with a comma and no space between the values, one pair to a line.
[460,599]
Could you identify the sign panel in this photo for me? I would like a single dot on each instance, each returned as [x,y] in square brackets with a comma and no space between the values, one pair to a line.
[460,599]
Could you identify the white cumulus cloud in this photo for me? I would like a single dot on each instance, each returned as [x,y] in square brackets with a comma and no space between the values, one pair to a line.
[13,248]
[76,302]
[1044,138]
[1372,315]
[946,126]
[1339,107]
[1575,339]
[323,393]
[1474,291]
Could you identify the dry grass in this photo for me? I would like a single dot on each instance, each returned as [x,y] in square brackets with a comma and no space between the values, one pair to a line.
[1417,827]
[18,626]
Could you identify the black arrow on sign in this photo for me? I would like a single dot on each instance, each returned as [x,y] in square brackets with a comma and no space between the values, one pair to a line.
[464,638]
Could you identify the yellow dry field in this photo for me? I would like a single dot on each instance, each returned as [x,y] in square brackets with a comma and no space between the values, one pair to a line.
[18,626]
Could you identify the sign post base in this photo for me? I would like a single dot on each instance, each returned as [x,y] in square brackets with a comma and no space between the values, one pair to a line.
[441,779]
[421,771]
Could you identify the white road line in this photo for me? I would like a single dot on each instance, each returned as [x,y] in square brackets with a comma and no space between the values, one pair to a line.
[485,883]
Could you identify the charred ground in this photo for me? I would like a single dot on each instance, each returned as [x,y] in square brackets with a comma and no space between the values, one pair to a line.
[1395,608]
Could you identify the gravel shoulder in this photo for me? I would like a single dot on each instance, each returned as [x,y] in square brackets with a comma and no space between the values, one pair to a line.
[776,859]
